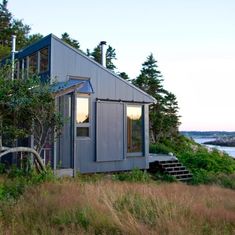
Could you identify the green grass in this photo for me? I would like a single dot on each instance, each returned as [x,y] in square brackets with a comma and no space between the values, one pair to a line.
[136,175]
[71,206]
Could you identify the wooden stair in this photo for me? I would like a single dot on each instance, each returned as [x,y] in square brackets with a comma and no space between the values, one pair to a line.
[171,167]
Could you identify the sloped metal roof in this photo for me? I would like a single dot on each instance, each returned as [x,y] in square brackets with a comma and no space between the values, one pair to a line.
[81,86]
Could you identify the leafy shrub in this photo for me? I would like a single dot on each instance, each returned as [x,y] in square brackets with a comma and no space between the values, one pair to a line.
[136,175]
[1,192]
[2,168]
[221,179]
[164,177]
[17,181]
[213,161]
[160,148]
[12,189]
[89,177]
[224,180]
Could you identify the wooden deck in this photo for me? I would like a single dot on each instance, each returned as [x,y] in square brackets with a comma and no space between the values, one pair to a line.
[161,157]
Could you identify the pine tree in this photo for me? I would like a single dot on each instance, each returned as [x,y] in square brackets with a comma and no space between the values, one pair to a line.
[10,26]
[124,76]
[163,115]
[110,56]
[171,118]
[72,42]
[21,31]
[5,23]
[5,32]
[34,37]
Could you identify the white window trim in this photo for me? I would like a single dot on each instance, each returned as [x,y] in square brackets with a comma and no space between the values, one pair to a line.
[135,154]
[88,124]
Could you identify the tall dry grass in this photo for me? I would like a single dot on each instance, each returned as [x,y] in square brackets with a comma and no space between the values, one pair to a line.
[107,207]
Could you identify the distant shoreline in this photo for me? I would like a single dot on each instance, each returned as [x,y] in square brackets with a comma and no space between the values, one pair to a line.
[221,142]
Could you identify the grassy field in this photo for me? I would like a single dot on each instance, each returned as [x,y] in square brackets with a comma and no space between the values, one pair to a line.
[107,206]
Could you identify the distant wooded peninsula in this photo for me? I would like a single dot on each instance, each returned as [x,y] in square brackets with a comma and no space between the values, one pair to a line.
[221,138]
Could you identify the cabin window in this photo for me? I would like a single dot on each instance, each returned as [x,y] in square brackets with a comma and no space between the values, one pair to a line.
[83,116]
[134,129]
[44,61]
[33,63]
[83,131]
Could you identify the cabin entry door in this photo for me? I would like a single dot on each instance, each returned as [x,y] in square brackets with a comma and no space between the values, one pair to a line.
[65,153]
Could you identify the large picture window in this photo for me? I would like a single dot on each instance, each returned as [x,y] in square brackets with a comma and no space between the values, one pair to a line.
[134,129]
[44,61]
[38,62]
[33,63]
[82,116]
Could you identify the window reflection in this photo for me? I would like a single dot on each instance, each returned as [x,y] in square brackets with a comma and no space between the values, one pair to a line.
[82,110]
[134,129]
[44,60]
[82,131]
[33,63]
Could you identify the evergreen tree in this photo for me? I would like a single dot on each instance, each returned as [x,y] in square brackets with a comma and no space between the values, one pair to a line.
[124,76]
[10,26]
[150,78]
[96,54]
[5,23]
[171,117]
[5,32]
[72,42]
[21,31]
[34,37]
[110,56]
[164,120]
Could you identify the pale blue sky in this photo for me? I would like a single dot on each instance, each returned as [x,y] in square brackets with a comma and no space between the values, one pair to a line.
[193,41]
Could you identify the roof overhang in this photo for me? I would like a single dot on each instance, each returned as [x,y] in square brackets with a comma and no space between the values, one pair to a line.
[72,85]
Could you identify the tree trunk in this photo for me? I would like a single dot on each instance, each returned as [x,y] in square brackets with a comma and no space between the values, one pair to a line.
[40,167]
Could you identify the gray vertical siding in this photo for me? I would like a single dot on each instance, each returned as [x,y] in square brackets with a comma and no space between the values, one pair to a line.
[109,131]
[66,62]
[146,134]
[65,140]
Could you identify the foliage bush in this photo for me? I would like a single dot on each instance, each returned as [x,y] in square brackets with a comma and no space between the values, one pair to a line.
[164,177]
[136,175]
[207,166]
[2,168]
[213,161]
[160,148]
[17,181]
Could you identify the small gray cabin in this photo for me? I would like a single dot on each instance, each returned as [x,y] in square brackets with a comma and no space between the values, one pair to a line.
[107,118]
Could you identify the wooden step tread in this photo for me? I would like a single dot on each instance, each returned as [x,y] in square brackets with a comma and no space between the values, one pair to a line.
[170,165]
[178,172]
[185,179]
[164,162]
[175,168]
[182,176]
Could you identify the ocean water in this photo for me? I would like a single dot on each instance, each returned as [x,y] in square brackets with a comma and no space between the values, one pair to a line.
[229,150]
